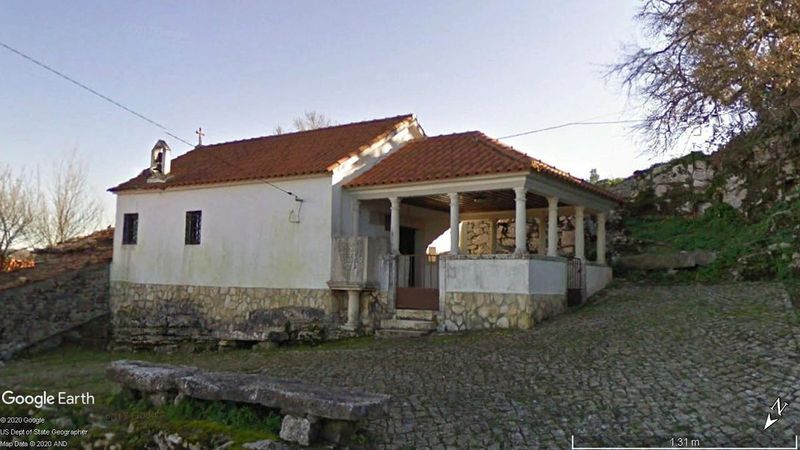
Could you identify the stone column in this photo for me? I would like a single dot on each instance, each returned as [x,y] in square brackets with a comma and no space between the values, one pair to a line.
[552,226]
[356,216]
[601,238]
[395,225]
[455,242]
[580,247]
[520,221]
[353,309]
[492,236]
[541,247]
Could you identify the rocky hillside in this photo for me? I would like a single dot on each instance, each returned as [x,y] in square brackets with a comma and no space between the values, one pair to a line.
[742,202]
[750,174]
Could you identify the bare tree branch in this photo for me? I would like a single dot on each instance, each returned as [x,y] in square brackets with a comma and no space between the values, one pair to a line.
[17,200]
[716,68]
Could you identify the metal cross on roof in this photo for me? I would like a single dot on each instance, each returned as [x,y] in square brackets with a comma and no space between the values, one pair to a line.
[200,135]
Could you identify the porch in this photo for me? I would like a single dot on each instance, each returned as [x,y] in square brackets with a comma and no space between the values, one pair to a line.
[502,287]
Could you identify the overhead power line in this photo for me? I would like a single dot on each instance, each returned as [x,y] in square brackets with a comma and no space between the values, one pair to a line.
[87,88]
[568,124]
[166,130]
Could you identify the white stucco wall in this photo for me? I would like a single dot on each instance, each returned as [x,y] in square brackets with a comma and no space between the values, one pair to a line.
[597,277]
[247,238]
[548,276]
[501,276]
[343,203]
[506,276]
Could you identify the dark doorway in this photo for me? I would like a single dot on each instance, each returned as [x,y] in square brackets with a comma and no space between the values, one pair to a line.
[575,283]
[407,239]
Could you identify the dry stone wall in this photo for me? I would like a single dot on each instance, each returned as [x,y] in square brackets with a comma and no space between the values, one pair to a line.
[476,235]
[45,310]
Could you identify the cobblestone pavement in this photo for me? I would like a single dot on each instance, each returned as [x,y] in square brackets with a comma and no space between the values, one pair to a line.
[639,367]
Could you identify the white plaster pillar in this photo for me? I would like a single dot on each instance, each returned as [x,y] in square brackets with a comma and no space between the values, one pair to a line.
[394,220]
[520,221]
[455,242]
[541,247]
[601,238]
[353,309]
[356,216]
[552,226]
[580,246]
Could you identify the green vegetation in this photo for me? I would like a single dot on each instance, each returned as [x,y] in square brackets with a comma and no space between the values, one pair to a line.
[760,249]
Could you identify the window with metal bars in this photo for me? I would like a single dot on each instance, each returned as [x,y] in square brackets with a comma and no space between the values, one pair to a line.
[130,228]
[193,219]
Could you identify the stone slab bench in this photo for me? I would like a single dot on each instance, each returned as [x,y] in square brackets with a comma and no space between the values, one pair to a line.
[312,411]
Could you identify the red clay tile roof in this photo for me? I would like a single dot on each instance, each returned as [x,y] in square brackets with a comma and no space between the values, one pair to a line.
[285,155]
[460,155]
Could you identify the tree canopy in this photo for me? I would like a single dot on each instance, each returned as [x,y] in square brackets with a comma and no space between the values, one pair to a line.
[714,68]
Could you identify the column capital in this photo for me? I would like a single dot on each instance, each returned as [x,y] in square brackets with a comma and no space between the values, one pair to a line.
[552,201]
[580,208]
[395,201]
[521,191]
[454,196]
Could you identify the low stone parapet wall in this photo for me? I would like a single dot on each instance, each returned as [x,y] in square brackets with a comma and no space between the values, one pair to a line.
[500,291]
[597,277]
[480,310]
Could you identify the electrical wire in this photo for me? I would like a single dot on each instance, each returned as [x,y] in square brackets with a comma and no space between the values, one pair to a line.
[166,130]
[87,88]
[568,124]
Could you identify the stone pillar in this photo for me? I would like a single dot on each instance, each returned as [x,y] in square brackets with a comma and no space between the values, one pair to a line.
[520,221]
[356,216]
[455,242]
[353,309]
[552,226]
[541,247]
[580,246]
[601,238]
[395,225]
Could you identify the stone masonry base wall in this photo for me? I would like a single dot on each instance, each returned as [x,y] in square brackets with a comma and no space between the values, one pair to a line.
[164,316]
[476,310]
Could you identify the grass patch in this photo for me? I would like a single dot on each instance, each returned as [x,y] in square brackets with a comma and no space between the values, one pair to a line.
[769,242]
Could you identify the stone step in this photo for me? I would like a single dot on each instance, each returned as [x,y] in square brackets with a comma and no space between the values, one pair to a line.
[415,314]
[392,333]
[408,324]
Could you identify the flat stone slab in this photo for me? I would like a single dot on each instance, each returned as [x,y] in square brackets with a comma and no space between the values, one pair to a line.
[666,261]
[291,396]
[148,377]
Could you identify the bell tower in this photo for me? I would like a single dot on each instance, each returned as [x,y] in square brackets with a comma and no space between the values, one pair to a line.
[160,159]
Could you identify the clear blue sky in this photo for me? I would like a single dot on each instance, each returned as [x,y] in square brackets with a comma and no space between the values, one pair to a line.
[239,68]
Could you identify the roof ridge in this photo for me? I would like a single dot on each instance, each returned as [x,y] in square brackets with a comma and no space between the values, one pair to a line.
[270,136]
[502,147]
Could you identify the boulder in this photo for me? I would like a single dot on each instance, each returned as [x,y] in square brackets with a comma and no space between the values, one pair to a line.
[302,430]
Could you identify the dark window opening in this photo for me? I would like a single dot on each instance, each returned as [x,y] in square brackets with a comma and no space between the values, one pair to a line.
[130,229]
[193,219]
